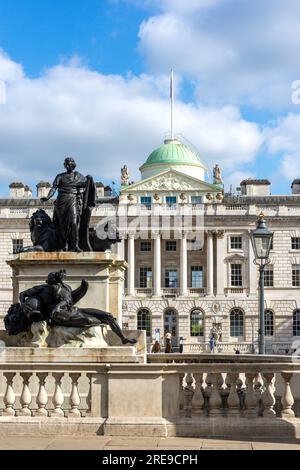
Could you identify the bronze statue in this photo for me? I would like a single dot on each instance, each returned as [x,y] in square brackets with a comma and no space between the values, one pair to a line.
[73,206]
[54,302]
[43,233]
[69,230]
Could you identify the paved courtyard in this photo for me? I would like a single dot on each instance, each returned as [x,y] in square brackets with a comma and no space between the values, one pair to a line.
[142,443]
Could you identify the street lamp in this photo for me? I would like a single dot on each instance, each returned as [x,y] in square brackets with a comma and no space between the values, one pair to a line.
[252,334]
[261,239]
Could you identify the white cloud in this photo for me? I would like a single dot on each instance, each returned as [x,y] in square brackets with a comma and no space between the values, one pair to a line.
[233,179]
[238,51]
[290,166]
[106,121]
[283,139]
[182,6]
[9,70]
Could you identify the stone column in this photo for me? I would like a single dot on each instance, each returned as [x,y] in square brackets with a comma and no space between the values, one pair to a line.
[210,265]
[220,262]
[131,264]
[252,270]
[183,265]
[121,249]
[157,265]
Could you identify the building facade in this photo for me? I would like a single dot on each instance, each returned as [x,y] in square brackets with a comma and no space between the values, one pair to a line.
[190,259]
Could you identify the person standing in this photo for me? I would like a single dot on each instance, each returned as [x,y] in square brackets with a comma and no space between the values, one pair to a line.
[156,348]
[212,344]
[168,337]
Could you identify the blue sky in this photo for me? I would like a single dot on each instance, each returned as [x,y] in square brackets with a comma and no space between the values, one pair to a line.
[91,79]
[41,34]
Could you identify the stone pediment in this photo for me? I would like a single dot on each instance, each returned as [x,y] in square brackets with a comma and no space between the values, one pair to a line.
[170,181]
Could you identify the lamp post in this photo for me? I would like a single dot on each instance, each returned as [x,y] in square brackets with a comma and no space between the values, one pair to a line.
[252,334]
[261,239]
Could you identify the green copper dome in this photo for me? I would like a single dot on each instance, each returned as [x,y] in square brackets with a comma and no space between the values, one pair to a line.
[173,152]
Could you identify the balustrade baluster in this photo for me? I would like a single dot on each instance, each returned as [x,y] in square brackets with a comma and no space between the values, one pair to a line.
[188,393]
[207,391]
[9,396]
[58,397]
[198,400]
[241,391]
[74,397]
[181,395]
[287,399]
[250,400]
[42,397]
[233,400]
[25,398]
[269,396]
[258,391]
[215,400]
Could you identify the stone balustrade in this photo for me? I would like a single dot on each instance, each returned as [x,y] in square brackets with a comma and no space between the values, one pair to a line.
[272,347]
[223,347]
[48,391]
[141,399]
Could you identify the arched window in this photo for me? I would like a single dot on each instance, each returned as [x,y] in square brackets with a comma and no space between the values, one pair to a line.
[144,321]
[196,322]
[269,323]
[296,322]
[171,324]
[236,322]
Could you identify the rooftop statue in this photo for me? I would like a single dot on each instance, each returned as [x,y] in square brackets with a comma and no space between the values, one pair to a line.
[217,175]
[124,175]
[54,303]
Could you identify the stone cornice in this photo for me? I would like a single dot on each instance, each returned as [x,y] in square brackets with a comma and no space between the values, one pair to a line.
[265,200]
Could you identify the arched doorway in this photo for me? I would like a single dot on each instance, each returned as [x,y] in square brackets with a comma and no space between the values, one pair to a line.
[171,324]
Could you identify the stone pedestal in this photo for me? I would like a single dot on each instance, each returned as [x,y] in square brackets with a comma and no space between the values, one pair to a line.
[103,271]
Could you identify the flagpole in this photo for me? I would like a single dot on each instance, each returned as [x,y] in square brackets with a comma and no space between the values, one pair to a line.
[172,103]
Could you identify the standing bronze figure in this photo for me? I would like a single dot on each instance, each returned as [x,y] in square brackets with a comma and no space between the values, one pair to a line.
[73,206]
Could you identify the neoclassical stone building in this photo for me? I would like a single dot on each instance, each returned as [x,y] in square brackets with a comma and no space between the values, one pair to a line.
[189,286]
[190,260]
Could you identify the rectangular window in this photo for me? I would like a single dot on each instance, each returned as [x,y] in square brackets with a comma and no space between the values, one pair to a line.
[269,277]
[197,276]
[236,243]
[296,275]
[146,277]
[171,200]
[295,243]
[145,246]
[17,245]
[171,245]
[196,200]
[171,278]
[236,278]
[146,201]
[269,323]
